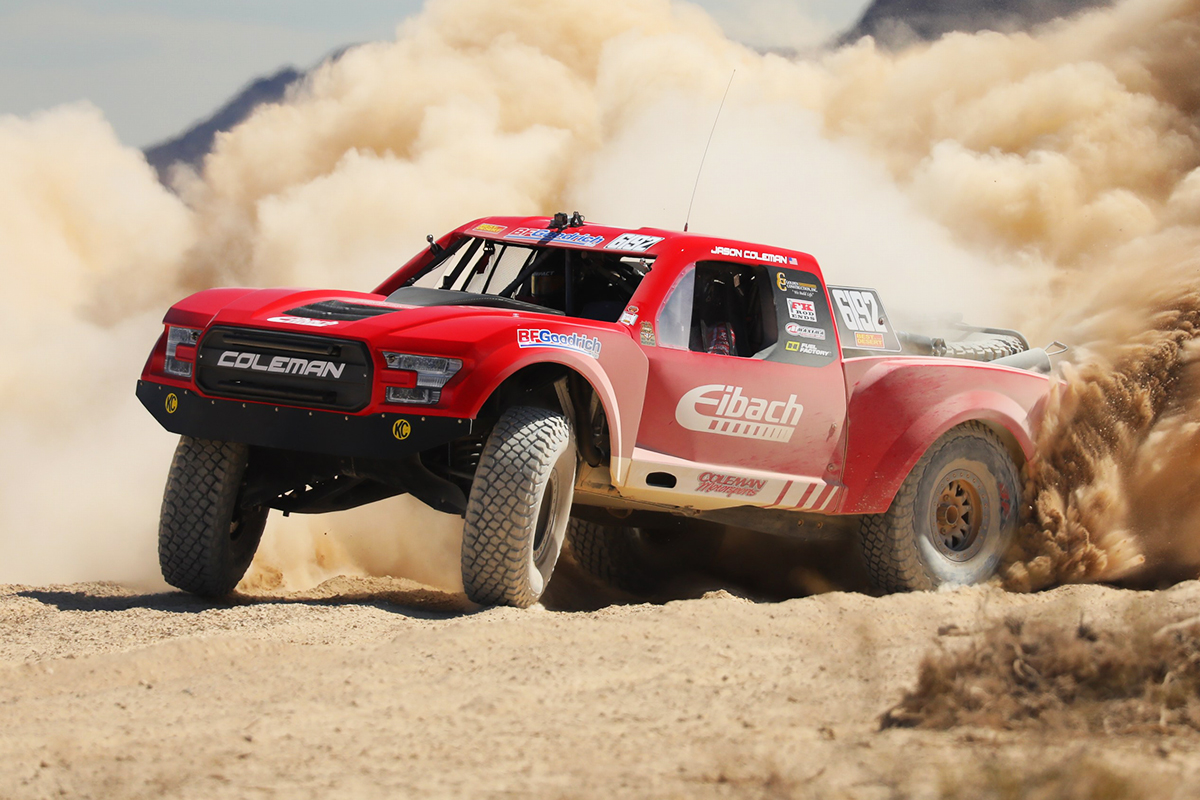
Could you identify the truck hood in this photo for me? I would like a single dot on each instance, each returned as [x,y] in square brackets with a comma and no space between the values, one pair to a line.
[354,314]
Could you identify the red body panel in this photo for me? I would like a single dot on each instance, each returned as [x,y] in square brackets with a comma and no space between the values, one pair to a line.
[864,422]
[900,406]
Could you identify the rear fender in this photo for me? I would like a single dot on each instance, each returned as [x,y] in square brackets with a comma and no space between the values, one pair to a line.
[898,408]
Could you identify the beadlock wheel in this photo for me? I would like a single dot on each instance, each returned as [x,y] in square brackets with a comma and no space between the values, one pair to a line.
[959,515]
[953,518]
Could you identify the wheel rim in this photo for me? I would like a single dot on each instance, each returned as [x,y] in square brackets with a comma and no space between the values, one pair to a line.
[236,524]
[547,515]
[959,511]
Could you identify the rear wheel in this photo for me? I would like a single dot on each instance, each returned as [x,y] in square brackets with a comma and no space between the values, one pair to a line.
[518,509]
[614,555]
[206,538]
[953,518]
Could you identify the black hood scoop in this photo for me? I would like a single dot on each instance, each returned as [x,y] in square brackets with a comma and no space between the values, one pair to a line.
[341,311]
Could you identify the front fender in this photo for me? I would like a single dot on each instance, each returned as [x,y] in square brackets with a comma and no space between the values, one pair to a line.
[899,407]
[618,377]
[197,310]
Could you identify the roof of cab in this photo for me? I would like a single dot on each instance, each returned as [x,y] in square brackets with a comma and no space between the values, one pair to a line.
[537,230]
[651,242]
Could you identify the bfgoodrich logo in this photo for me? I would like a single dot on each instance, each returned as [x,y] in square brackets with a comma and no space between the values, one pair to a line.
[725,411]
[578,342]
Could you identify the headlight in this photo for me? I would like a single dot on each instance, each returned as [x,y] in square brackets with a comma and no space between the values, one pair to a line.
[433,372]
[413,397]
[188,337]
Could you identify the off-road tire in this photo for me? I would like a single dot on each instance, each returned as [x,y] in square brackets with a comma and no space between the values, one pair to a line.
[206,540]
[519,507]
[610,554]
[985,349]
[965,482]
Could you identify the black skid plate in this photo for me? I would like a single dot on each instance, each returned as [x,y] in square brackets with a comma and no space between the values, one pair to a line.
[289,428]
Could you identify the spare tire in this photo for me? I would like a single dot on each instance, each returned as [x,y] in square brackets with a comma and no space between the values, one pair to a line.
[985,349]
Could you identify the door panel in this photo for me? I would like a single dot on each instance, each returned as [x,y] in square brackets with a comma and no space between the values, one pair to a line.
[779,407]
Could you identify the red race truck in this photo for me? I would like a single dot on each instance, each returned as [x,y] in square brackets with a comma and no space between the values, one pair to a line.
[553,381]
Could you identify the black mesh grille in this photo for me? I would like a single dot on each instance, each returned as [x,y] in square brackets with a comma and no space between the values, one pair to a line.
[340,311]
[288,368]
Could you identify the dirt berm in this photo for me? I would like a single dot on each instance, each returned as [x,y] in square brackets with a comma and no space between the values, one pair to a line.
[382,688]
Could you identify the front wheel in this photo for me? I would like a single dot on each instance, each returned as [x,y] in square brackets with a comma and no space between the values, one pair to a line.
[206,538]
[953,518]
[519,507]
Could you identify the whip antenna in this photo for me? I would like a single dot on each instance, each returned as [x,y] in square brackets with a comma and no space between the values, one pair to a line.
[700,171]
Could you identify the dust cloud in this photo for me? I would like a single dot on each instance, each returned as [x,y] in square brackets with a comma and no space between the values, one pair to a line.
[1045,181]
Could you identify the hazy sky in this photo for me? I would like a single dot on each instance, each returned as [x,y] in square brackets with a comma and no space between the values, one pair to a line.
[156,66]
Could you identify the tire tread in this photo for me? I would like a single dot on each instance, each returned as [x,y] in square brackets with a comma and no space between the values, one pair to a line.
[504,503]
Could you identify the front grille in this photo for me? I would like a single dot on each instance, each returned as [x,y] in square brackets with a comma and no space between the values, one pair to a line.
[289,368]
[341,311]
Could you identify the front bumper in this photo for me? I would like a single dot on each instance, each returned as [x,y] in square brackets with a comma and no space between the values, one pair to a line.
[288,428]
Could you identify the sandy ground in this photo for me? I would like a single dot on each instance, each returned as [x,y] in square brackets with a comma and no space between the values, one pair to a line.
[380,688]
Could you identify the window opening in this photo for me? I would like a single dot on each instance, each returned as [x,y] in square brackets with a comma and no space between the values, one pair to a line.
[721,308]
[582,283]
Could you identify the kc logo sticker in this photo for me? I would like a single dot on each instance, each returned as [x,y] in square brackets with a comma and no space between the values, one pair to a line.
[402,430]
[172,403]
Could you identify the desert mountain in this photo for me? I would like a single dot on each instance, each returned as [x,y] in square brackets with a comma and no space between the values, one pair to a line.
[893,23]
[896,23]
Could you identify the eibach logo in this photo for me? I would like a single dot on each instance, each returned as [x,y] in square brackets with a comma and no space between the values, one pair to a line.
[725,411]
[574,341]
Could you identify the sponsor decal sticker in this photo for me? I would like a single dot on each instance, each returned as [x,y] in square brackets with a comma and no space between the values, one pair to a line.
[812,350]
[487,227]
[754,255]
[305,321]
[630,316]
[539,235]
[803,310]
[281,364]
[786,285]
[574,341]
[872,341]
[729,485]
[402,429]
[172,403]
[726,411]
[633,243]
[648,334]
[808,348]
[803,330]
